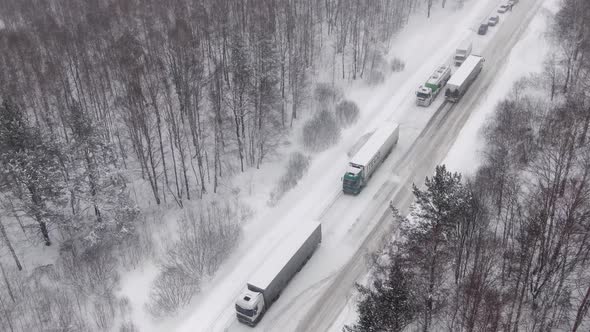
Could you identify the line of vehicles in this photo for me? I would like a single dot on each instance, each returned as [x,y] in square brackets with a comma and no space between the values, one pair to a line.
[267,283]
[494,19]
[363,163]
[271,278]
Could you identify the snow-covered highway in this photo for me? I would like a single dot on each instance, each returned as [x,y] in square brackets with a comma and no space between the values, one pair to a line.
[429,149]
[353,226]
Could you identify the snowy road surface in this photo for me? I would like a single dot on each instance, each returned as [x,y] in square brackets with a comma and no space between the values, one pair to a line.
[352,226]
[429,149]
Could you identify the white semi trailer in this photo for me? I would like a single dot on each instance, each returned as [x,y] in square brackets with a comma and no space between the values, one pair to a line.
[463,77]
[267,283]
[364,163]
[427,92]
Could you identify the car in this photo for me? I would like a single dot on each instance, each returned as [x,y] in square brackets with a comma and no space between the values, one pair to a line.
[483,28]
[493,20]
[502,9]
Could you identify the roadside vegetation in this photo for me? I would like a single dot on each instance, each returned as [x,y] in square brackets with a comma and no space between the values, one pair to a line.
[296,167]
[505,250]
[122,124]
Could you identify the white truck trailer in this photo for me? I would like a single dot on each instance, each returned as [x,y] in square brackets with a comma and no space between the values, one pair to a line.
[267,283]
[427,92]
[463,77]
[364,163]
[462,52]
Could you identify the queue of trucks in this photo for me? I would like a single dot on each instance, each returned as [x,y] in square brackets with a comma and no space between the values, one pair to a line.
[271,278]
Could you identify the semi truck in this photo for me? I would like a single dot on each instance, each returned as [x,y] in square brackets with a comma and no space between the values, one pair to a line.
[363,164]
[427,92]
[462,52]
[271,278]
[463,77]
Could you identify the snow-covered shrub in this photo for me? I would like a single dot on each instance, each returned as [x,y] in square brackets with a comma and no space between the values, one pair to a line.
[93,272]
[128,326]
[206,235]
[347,113]
[397,65]
[125,310]
[326,94]
[321,132]
[42,301]
[296,168]
[377,68]
[140,244]
[173,289]
[103,313]
[375,77]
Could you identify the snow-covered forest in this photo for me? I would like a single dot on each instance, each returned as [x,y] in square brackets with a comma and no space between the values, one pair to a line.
[508,248]
[116,111]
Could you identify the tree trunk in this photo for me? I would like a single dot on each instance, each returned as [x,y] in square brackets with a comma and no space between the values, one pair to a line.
[9,245]
[582,310]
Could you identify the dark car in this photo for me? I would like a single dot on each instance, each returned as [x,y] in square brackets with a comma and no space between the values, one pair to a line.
[493,20]
[483,29]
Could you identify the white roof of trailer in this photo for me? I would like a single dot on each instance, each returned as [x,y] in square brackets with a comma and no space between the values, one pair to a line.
[375,142]
[463,72]
[280,256]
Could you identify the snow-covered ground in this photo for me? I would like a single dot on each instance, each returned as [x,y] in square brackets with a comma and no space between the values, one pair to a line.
[346,221]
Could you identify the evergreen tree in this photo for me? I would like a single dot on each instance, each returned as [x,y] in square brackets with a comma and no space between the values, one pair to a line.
[96,183]
[31,169]
[389,305]
[429,234]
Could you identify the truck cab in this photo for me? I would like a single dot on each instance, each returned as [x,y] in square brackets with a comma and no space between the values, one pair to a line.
[423,96]
[462,52]
[427,92]
[250,307]
[353,179]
